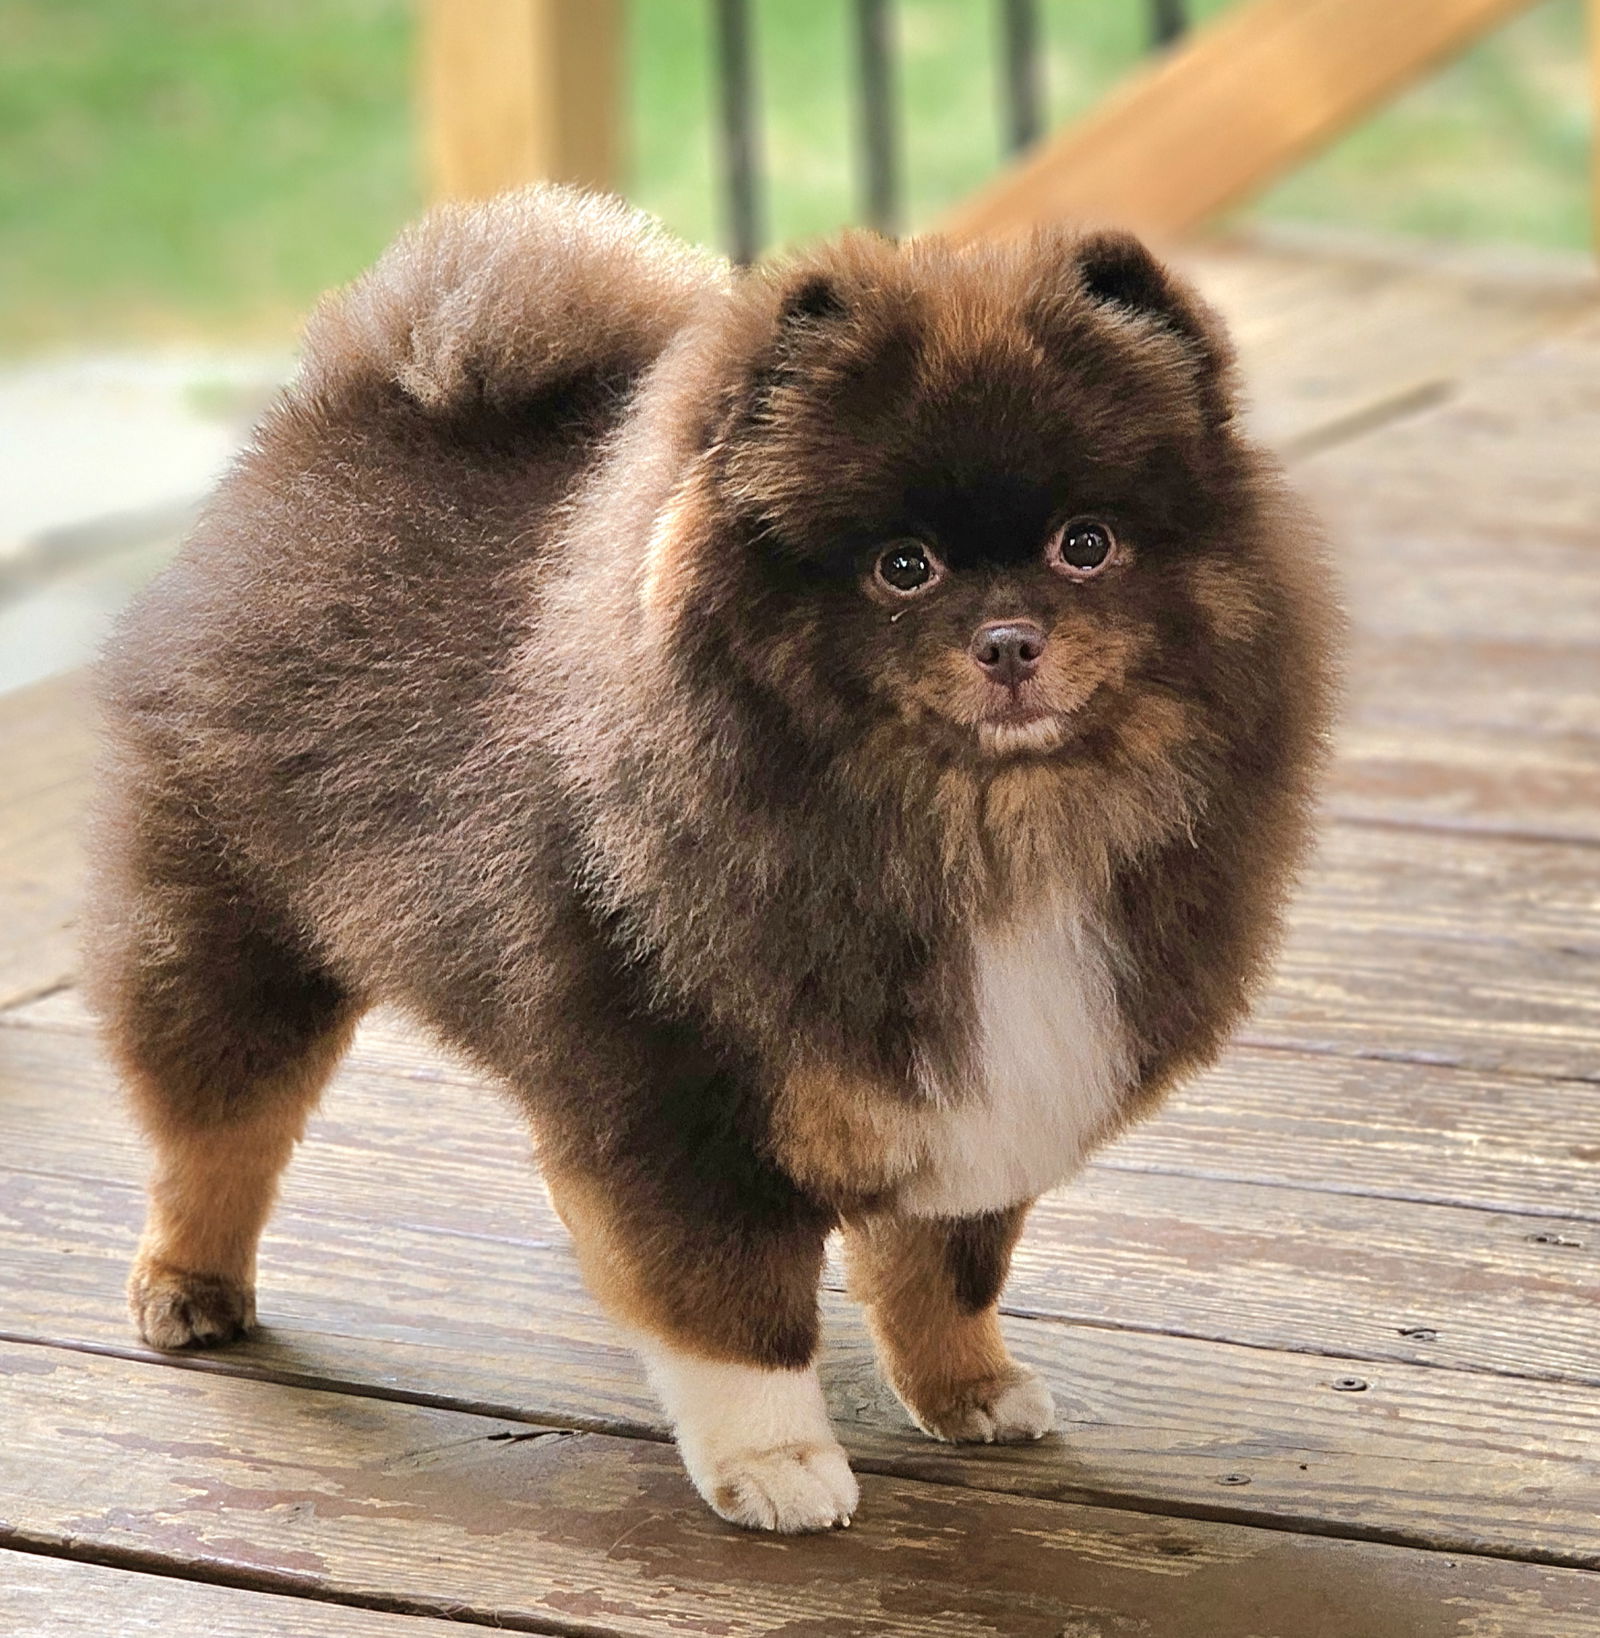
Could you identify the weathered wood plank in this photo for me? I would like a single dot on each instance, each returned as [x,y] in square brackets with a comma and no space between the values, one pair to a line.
[1298,1269]
[476,1517]
[1458,1460]
[61,1598]
[403,1135]
[1460,573]
[1474,520]
[1466,543]
[1489,685]
[45,747]
[1471,733]
[1492,782]
[1364,1126]
[1328,340]
[1444,948]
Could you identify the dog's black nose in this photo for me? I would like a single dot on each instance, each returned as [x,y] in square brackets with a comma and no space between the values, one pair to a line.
[1008,651]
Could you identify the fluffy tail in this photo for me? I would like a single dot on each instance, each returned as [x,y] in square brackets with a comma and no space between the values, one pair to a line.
[494,304]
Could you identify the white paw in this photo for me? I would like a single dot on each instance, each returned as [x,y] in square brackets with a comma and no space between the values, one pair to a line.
[1008,1414]
[757,1443]
[792,1489]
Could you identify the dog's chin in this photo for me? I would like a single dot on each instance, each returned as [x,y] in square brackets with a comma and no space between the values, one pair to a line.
[1036,734]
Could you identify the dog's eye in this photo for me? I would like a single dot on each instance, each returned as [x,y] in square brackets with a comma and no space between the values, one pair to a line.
[1081,548]
[907,568]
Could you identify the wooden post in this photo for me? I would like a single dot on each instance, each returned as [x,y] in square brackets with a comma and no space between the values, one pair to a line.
[1594,116]
[520,91]
[1227,111]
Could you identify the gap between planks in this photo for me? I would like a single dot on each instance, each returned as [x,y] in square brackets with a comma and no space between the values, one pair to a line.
[1275,1490]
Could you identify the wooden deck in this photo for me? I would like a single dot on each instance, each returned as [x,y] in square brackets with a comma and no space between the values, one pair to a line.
[1325,1335]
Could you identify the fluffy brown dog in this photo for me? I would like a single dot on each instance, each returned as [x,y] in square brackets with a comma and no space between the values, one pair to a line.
[833,741]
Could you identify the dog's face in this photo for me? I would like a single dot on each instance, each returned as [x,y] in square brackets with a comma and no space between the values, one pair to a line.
[982,509]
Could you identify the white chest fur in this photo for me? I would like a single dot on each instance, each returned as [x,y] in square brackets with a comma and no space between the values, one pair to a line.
[1050,1069]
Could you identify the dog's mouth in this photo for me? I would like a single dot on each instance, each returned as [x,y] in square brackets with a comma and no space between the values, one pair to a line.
[1018,720]
[1028,719]
[1020,730]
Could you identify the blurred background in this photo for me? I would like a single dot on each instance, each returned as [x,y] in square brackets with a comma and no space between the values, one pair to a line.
[179,179]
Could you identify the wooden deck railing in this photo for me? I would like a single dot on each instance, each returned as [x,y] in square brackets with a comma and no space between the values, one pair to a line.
[516,90]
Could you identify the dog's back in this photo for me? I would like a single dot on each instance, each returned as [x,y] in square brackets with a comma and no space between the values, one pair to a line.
[445,401]
[302,684]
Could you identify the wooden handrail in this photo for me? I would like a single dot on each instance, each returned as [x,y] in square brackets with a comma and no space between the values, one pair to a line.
[1227,112]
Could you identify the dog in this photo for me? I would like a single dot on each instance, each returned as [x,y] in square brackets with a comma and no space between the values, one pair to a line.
[833,740]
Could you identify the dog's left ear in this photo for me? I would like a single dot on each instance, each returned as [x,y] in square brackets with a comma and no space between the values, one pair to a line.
[1117,271]
[809,306]
[816,299]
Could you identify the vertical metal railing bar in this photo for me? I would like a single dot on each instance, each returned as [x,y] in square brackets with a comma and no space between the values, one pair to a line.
[1169,19]
[741,143]
[1021,72]
[880,172]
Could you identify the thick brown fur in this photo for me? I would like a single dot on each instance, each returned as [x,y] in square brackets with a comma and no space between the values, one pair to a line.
[529,672]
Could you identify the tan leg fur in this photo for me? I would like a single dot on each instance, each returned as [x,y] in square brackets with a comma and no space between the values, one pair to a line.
[944,1357]
[212,1189]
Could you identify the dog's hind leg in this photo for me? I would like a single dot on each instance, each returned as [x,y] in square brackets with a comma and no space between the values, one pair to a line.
[225,1034]
[931,1287]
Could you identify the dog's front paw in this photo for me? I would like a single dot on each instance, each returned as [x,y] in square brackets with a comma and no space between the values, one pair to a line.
[792,1488]
[757,1442]
[1006,1411]
[175,1308]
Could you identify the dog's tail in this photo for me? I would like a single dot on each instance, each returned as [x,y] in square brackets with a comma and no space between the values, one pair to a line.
[492,305]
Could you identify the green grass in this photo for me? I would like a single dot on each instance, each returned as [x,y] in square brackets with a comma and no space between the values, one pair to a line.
[194,165]
[190,167]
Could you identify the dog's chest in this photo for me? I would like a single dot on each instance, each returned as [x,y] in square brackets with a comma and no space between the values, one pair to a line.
[1049,1069]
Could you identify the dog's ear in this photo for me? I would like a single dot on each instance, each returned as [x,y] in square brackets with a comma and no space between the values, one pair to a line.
[812,303]
[816,298]
[1117,271]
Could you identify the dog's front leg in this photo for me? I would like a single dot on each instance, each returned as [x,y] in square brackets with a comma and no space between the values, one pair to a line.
[715,1274]
[931,1286]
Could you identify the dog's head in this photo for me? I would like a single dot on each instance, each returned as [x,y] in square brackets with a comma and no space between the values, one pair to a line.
[984,505]
[970,527]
